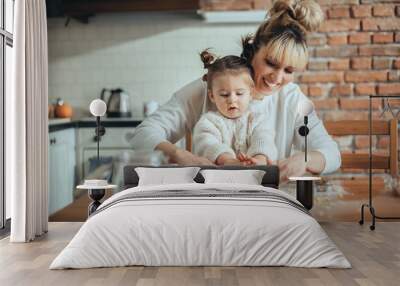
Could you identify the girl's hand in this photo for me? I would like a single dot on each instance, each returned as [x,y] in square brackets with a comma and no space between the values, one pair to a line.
[294,166]
[256,160]
[227,159]
[244,159]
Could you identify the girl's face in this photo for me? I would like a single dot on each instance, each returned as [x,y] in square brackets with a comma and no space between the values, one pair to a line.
[231,93]
[269,75]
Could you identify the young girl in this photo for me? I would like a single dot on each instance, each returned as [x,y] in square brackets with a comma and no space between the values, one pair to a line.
[232,134]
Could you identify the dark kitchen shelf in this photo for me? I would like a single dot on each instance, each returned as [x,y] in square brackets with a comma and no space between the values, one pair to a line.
[87,123]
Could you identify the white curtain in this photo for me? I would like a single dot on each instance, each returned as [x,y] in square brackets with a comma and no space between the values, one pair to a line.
[27,123]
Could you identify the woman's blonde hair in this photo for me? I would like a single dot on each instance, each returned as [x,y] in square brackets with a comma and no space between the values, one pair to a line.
[283,34]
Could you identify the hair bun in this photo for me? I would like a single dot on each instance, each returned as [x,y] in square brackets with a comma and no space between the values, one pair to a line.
[207,58]
[247,47]
[307,13]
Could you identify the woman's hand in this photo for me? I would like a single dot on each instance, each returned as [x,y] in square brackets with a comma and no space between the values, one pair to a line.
[180,156]
[259,160]
[184,157]
[294,166]
[244,159]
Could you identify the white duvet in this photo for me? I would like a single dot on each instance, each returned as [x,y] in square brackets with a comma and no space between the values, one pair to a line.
[182,231]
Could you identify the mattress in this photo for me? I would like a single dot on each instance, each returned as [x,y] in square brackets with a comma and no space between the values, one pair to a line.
[201,225]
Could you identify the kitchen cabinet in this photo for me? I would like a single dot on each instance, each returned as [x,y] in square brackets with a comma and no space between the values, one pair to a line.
[62,165]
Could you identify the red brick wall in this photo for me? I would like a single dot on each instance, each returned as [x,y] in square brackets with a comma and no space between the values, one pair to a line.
[354,54]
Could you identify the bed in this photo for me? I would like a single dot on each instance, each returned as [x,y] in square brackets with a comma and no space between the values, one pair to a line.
[198,224]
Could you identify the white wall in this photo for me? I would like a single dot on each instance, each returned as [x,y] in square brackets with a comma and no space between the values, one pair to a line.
[150,55]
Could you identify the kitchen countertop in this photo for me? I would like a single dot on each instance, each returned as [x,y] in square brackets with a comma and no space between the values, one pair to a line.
[57,124]
[55,121]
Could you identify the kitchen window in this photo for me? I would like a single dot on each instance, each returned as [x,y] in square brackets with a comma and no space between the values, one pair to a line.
[6,60]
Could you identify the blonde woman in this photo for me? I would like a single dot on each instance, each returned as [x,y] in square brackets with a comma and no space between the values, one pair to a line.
[275,52]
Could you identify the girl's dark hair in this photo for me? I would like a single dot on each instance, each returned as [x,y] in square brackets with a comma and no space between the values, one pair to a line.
[216,65]
[289,21]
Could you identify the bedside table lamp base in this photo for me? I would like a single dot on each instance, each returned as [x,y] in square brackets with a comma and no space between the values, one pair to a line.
[96,190]
[304,193]
[96,195]
[304,190]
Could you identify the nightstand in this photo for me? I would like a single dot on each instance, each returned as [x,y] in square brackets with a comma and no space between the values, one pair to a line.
[96,191]
[304,190]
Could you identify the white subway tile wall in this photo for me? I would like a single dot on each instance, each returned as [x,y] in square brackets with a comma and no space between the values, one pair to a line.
[150,55]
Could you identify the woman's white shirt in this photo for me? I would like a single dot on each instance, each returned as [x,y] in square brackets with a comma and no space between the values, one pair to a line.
[184,109]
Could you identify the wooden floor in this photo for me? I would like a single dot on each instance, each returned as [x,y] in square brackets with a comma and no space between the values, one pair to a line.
[375,257]
[77,211]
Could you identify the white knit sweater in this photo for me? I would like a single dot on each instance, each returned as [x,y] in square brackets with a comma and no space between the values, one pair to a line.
[186,106]
[215,134]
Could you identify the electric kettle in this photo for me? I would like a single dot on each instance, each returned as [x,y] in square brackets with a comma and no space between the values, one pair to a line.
[117,103]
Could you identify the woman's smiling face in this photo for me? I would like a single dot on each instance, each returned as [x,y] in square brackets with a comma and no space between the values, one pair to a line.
[269,74]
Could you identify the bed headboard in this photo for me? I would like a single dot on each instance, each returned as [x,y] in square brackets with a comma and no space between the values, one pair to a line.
[270,179]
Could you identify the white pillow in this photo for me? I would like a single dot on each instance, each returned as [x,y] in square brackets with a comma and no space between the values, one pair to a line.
[164,176]
[248,177]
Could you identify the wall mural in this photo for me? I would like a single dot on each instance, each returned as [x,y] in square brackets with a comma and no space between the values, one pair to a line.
[147,59]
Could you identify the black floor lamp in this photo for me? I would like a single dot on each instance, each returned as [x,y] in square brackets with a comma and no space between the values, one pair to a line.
[304,184]
[370,202]
[97,187]
[304,109]
[98,108]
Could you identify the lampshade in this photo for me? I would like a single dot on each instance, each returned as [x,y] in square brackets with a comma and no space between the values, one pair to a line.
[305,107]
[98,107]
